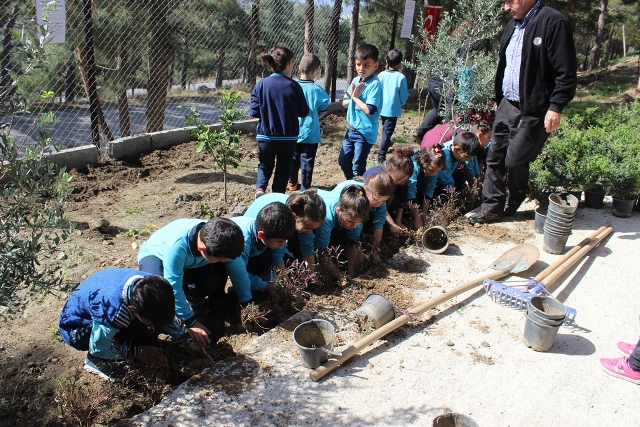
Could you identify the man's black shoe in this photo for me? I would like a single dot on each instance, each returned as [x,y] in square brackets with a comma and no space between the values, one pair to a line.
[484,217]
[511,208]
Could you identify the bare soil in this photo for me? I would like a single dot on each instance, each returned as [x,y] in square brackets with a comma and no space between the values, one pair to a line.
[116,205]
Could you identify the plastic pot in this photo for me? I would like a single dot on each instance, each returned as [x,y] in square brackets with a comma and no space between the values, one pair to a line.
[622,208]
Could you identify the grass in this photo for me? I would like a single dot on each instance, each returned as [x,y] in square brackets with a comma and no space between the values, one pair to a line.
[134,210]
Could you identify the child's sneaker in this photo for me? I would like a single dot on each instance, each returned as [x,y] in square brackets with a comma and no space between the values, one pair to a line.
[293,187]
[259,192]
[625,348]
[107,369]
[619,367]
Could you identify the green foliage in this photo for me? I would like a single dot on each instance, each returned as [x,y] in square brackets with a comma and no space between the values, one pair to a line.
[595,150]
[134,210]
[221,145]
[33,189]
[458,56]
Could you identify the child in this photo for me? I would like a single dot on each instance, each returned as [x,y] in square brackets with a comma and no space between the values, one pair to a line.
[463,147]
[276,101]
[264,240]
[309,211]
[309,137]
[109,315]
[379,187]
[400,167]
[341,227]
[627,367]
[190,253]
[395,95]
[426,163]
[363,101]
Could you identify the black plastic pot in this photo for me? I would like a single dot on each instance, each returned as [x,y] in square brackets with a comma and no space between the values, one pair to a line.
[593,199]
[623,208]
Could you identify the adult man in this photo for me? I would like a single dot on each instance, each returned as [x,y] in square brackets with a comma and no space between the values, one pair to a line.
[535,80]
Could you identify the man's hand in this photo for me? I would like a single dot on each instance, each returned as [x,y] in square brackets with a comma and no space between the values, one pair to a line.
[150,355]
[552,121]
[199,334]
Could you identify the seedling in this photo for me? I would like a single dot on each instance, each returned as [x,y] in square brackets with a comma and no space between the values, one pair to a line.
[291,285]
[255,316]
[134,210]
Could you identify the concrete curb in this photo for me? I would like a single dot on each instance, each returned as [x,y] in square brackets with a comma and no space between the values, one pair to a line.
[121,148]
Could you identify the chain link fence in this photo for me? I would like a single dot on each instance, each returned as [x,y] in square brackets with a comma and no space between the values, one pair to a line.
[123,67]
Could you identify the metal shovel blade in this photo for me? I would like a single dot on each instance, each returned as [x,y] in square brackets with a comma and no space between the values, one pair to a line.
[517,259]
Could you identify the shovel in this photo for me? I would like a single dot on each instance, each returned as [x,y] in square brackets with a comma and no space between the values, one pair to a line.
[517,259]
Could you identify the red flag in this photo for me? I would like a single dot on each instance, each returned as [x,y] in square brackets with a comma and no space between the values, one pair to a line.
[431,18]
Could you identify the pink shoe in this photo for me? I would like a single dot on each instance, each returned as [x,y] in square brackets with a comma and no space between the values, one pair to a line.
[625,348]
[619,367]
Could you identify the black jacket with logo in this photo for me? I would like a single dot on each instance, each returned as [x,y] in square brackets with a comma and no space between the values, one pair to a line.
[548,68]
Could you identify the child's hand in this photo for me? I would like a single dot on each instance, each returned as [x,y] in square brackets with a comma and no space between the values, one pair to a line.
[271,290]
[356,91]
[199,334]
[195,349]
[150,355]
[396,229]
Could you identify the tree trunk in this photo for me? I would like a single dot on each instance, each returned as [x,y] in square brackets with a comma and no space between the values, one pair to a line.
[220,68]
[609,50]
[394,30]
[123,102]
[159,64]
[331,66]
[353,40]
[6,88]
[70,82]
[308,26]
[253,42]
[184,71]
[597,45]
[88,71]
[100,122]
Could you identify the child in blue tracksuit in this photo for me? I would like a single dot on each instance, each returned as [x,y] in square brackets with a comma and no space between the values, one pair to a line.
[277,101]
[400,167]
[110,315]
[341,228]
[379,187]
[309,136]
[464,146]
[426,162]
[363,100]
[189,253]
[308,209]
[394,95]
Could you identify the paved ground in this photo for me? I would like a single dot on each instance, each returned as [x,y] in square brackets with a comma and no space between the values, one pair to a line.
[471,360]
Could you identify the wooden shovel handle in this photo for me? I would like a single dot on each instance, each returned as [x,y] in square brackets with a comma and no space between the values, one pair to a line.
[544,273]
[354,349]
[551,278]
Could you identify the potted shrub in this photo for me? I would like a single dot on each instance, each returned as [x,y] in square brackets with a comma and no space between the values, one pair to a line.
[626,185]
[596,173]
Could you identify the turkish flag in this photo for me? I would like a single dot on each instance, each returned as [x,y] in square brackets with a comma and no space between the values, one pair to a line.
[431,18]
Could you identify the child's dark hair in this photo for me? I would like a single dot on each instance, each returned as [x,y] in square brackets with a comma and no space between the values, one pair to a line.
[309,63]
[308,206]
[152,296]
[354,202]
[381,183]
[276,221]
[400,163]
[431,156]
[468,143]
[367,51]
[480,126]
[277,58]
[394,57]
[222,238]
